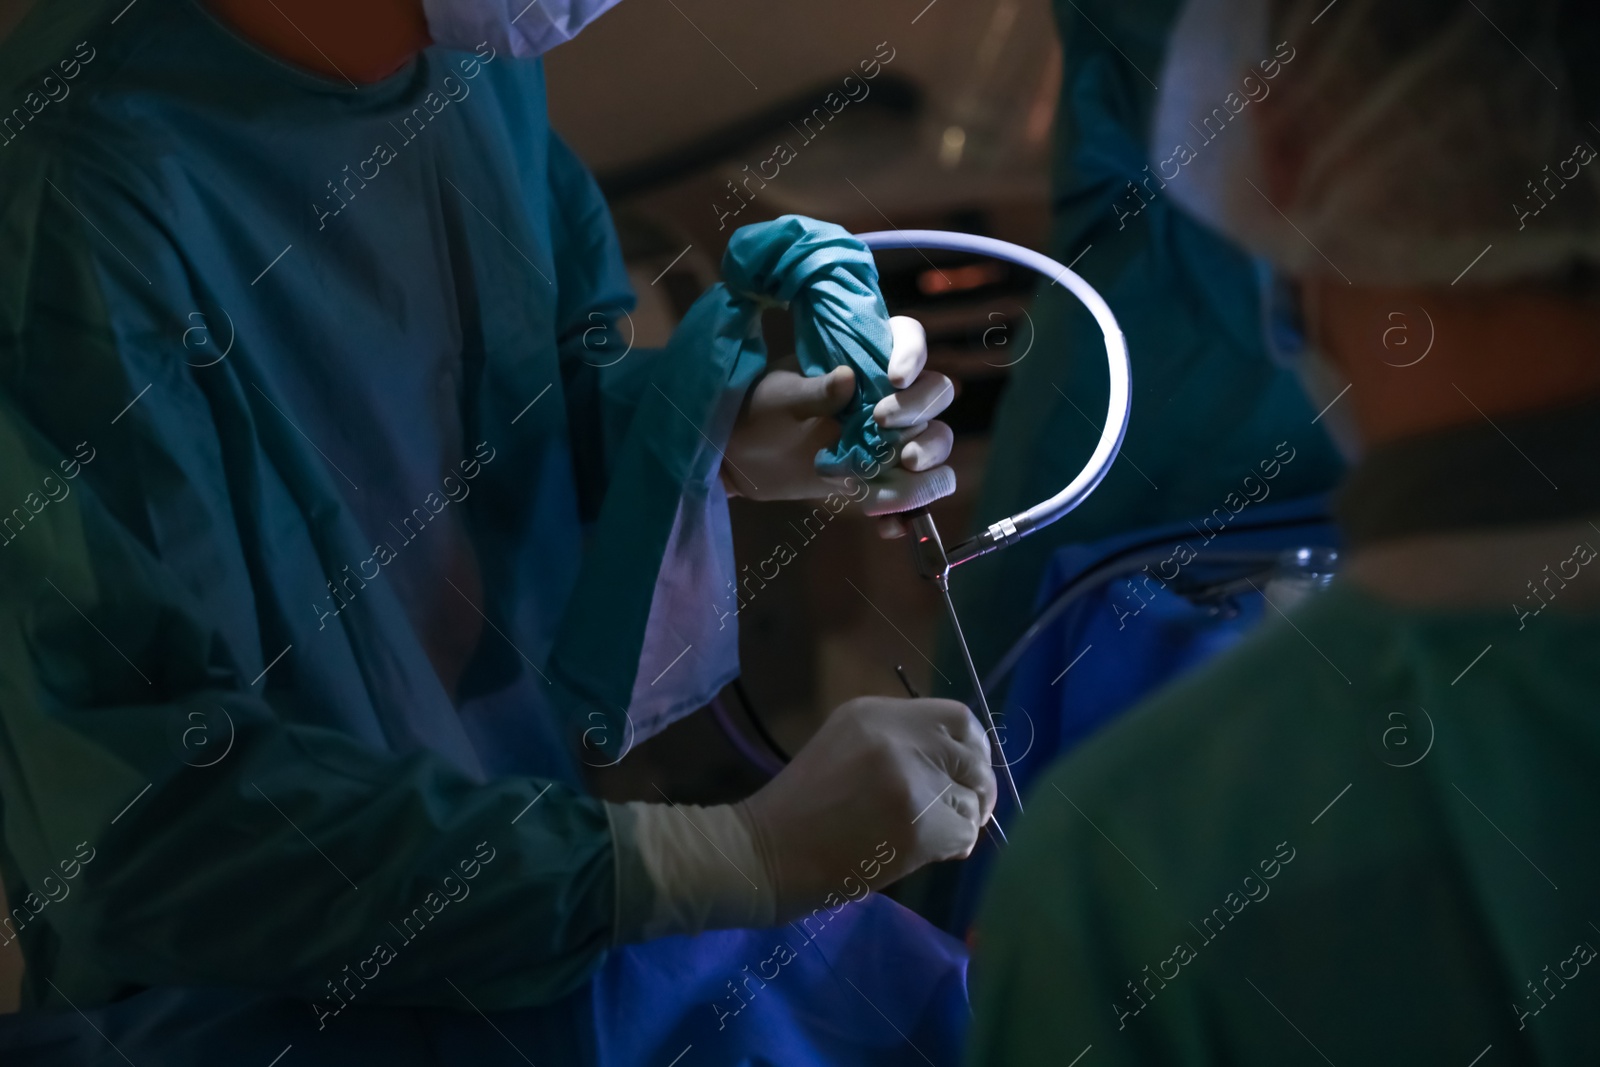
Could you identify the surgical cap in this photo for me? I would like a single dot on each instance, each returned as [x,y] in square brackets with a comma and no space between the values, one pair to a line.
[1389,143]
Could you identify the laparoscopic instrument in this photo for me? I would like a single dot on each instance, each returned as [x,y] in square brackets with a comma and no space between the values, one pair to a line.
[933,560]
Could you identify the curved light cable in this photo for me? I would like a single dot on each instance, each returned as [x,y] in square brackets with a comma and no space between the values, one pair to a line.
[1012,529]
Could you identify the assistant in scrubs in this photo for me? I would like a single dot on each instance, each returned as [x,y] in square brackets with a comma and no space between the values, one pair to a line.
[314,380]
[1208,403]
[1362,836]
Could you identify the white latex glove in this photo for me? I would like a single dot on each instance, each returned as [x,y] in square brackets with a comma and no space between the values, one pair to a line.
[885,787]
[913,773]
[771,453]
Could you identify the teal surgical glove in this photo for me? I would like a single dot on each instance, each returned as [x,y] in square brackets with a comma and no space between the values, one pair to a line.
[829,281]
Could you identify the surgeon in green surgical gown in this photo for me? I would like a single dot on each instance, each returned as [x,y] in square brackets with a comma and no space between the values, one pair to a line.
[310,394]
[1365,835]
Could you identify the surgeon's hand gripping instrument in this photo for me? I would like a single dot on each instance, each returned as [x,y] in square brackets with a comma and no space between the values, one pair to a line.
[933,560]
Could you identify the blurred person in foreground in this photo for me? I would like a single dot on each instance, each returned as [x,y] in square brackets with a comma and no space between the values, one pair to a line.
[1365,835]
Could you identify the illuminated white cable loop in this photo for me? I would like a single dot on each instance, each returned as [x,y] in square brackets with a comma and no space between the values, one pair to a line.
[1009,530]
[932,558]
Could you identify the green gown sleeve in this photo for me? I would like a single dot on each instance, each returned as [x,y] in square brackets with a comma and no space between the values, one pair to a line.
[262,851]
[296,852]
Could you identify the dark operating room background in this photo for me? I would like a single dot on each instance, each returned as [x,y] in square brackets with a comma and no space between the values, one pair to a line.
[679,107]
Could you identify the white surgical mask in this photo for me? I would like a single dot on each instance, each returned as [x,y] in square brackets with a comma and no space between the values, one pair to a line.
[524,29]
[1289,344]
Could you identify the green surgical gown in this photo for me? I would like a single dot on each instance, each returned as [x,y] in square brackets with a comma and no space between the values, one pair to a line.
[307,397]
[1366,837]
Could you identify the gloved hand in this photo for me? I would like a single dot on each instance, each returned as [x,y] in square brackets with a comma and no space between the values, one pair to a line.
[913,775]
[770,455]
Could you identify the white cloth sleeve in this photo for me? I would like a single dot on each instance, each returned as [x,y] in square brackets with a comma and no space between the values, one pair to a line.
[691,644]
[683,869]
